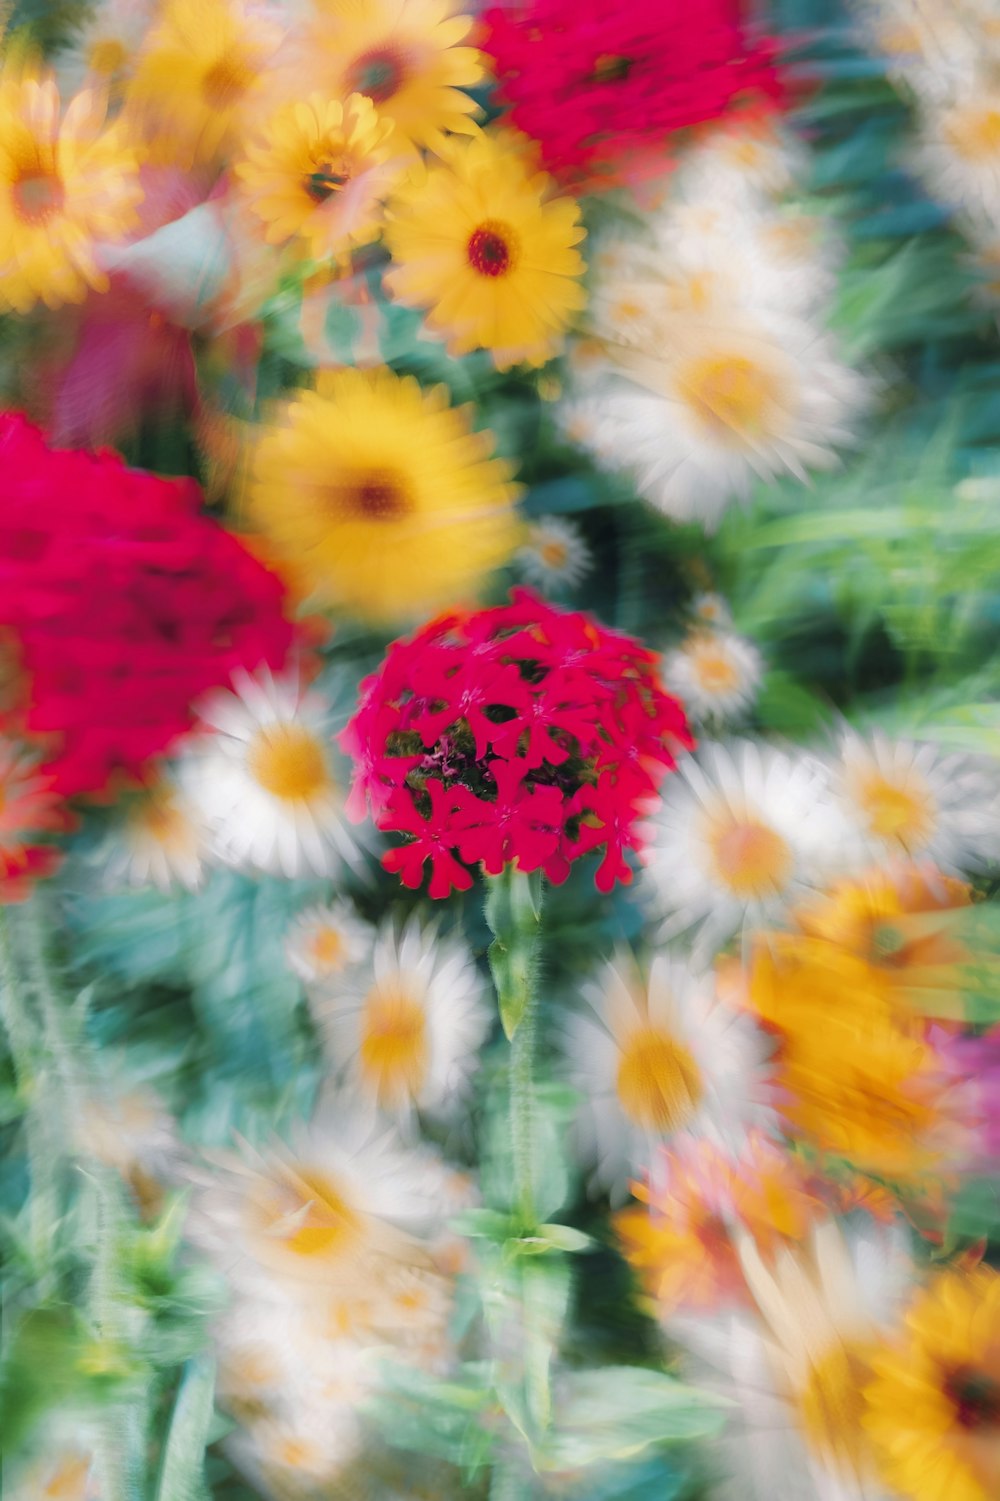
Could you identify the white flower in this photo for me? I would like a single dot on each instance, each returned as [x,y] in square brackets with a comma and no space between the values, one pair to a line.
[958,151]
[721,403]
[324,940]
[131,1130]
[659,1055]
[61,1461]
[160,841]
[104,49]
[711,610]
[267,783]
[743,830]
[715,673]
[555,556]
[405,1029]
[907,800]
[302,1447]
[743,162]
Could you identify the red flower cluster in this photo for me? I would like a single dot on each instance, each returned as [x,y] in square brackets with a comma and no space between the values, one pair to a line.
[124,604]
[28,810]
[601,87]
[518,733]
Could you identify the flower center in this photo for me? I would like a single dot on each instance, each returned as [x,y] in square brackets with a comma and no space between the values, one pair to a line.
[377,74]
[37,195]
[289,762]
[369,495]
[659,1083]
[394,1047]
[490,249]
[609,68]
[832,1405]
[975,133]
[715,673]
[553,554]
[327,178]
[729,392]
[226,81]
[69,1480]
[975,1396]
[321,1219]
[895,812]
[750,858]
[106,57]
[328,949]
[160,818]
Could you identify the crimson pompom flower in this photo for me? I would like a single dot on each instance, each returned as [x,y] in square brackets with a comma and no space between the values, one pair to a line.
[516,734]
[602,87]
[124,603]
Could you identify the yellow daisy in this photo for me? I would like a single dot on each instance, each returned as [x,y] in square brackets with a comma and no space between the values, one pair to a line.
[65,184]
[201,63]
[481,242]
[320,174]
[933,1409]
[403,55]
[379,496]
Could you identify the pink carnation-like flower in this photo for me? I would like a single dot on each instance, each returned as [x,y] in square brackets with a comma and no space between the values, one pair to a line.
[602,88]
[520,733]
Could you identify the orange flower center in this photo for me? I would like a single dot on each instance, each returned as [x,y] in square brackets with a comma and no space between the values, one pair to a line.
[227,80]
[288,761]
[320,1220]
[715,672]
[729,393]
[750,858]
[554,554]
[896,812]
[659,1083]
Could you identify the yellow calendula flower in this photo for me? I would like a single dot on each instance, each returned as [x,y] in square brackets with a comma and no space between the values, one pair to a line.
[200,66]
[933,1409]
[379,496]
[320,174]
[404,55]
[67,181]
[484,245]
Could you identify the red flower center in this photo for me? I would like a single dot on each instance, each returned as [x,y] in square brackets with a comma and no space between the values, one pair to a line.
[377,496]
[976,1398]
[377,74]
[489,250]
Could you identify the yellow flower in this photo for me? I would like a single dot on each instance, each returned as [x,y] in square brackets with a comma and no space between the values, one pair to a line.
[403,55]
[321,173]
[380,497]
[934,1406]
[201,63]
[481,243]
[64,185]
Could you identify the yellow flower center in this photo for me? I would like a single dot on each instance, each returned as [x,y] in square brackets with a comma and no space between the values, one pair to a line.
[37,194]
[160,819]
[327,949]
[68,1482]
[297,1454]
[554,554]
[750,858]
[896,812]
[321,1220]
[106,57]
[659,1083]
[730,393]
[227,80]
[831,1405]
[289,762]
[395,1051]
[714,672]
[975,133]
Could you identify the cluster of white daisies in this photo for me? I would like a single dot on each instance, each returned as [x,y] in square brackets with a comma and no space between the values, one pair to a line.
[706,364]
[945,56]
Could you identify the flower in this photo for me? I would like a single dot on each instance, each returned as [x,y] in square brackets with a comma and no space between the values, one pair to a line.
[126,1126]
[379,496]
[743,831]
[482,242]
[555,555]
[682,1241]
[323,941]
[66,184]
[201,64]
[104,47]
[405,1027]
[29,809]
[660,1054]
[403,55]
[933,1405]
[717,674]
[125,604]
[908,801]
[711,609]
[264,781]
[319,173]
[603,90]
[710,402]
[518,733]
[160,841]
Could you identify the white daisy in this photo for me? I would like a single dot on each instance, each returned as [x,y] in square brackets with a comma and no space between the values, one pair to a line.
[268,783]
[659,1055]
[60,1462]
[299,1449]
[161,840]
[131,1130]
[958,152]
[323,941]
[720,404]
[742,162]
[555,555]
[405,1029]
[711,610]
[742,831]
[796,1372]
[908,800]
[104,49]
[344,1206]
[715,673]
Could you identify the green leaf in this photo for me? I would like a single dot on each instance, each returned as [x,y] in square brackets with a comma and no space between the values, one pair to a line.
[182,1464]
[618,1411]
